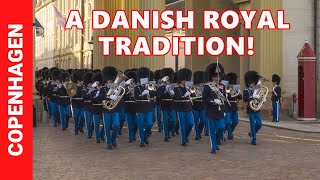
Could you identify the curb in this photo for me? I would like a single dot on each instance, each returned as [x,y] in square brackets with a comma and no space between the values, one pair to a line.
[279,127]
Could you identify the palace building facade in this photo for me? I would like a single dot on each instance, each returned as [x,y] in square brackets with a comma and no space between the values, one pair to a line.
[275,51]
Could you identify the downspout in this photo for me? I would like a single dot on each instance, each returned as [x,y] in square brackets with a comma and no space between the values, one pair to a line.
[82,38]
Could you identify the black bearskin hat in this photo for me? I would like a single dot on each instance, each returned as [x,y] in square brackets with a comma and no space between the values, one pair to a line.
[167,72]
[97,77]
[77,75]
[87,78]
[199,77]
[132,75]
[55,75]
[251,77]
[151,76]
[157,75]
[109,73]
[213,70]
[232,78]
[70,71]
[53,69]
[45,74]
[96,70]
[143,73]
[276,79]
[64,76]
[175,77]
[44,69]
[184,75]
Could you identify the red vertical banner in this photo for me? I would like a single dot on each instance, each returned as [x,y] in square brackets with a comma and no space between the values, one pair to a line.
[16,37]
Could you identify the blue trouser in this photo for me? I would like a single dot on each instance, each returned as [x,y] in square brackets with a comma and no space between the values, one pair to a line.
[111,120]
[255,124]
[199,121]
[99,133]
[55,112]
[122,116]
[231,121]
[46,105]
[186,123]
[132,122]
[159,118]
[214,125]
[276,110]
[206,126]
[64,115]
[169,121]
[144,125]
[88,116]
[78,117]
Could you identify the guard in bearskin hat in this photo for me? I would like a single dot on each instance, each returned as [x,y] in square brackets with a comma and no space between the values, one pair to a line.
[198,108]
[214,98]
[251,79]
[87,104]
[53,96]
[77,101]
[97,108]
[233,95]
[276,97]
[64,100]
[130,106]
[166,103]
[176,128]
[43,87]
[183,104]
[157,78]
[145,106]
[110,117]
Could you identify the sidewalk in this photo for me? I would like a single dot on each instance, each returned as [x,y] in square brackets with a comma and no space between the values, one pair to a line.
[293,125]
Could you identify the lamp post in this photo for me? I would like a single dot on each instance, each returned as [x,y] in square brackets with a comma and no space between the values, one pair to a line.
[91,44]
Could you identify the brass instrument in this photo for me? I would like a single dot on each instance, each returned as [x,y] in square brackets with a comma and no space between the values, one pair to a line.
[165,80]
[230,90]
[71,89]
[116,91]
[151,87]
[217,91]
[261,90]
[196,91]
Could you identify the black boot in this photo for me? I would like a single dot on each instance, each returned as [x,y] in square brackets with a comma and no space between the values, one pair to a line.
[67,121]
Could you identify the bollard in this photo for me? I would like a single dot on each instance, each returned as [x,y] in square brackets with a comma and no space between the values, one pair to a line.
[294,106]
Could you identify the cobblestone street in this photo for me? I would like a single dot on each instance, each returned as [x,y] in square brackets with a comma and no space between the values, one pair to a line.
[279,154]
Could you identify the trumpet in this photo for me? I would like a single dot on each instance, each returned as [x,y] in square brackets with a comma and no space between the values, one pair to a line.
[116,91]
[165,80]
[150,87]
[230,90]
[195,90]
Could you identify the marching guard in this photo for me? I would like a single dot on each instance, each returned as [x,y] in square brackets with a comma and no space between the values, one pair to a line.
[97,107]
[233,95]
[198,107]
[183,104]
[64,100]
[87,104]
[166,103]
[77,102]
[157,78]
[144,106]
[214,97]
[250,95]
[276,97]
[130,106]
[111,115]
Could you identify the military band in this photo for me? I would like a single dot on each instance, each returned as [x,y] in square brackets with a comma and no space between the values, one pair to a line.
[105,101]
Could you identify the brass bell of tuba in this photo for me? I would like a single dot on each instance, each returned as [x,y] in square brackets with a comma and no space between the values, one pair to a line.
[71,89]
[116,91]
[261,90]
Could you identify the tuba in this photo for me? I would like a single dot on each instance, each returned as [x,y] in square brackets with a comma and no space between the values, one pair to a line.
[71,89]
[117,91]
[261,90]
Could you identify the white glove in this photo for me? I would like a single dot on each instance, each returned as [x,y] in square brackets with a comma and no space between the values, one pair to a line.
[171,92]
[256,96]
[168,87]
[113,97]
[115,91]
[91,89]
[187,94]
[224,114]
[217,101]
[264,100]
[95,84]
[145,92]
[98,93]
